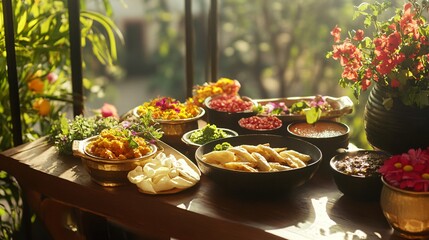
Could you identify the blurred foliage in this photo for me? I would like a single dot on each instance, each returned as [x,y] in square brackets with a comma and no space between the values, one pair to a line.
[42,52]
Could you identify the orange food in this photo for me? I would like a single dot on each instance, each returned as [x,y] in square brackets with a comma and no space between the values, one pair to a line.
[118,144]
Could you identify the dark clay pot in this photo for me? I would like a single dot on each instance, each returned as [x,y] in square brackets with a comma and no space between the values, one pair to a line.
[398,129]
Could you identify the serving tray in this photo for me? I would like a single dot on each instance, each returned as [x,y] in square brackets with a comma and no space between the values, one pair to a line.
[340,106]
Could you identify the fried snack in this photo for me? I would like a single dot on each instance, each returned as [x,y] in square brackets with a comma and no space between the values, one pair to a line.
[303,157]
[241,166]
[293,162]
[242,154]
[275,166]
[262,164]
[219,157]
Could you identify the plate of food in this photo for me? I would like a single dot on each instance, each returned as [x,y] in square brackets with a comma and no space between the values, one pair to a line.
[259,163]
[292,109]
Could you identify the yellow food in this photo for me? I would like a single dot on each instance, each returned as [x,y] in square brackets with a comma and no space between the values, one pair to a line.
[117,144]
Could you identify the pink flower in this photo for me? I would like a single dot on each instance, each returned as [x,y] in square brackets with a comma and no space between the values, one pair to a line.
[52,77]
[108,110]
[409,171]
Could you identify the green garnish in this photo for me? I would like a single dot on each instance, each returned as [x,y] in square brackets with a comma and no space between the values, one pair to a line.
[222,146]
[206,134]
[133,144]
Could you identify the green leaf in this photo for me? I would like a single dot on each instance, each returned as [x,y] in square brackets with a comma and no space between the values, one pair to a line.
[313,114]
[64,123]
[22,22]
[133,144]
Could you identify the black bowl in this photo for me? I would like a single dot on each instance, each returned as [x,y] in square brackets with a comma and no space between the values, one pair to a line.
[279,182]
[328,136]
[363,182]
[227,119]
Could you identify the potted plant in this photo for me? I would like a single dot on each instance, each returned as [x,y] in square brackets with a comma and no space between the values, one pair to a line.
[391,58]
[405,193]
[43,66]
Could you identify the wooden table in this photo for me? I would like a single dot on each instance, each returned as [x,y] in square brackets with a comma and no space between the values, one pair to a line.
[316,210]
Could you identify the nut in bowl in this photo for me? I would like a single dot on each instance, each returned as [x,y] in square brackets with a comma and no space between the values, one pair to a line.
[356,173]
[104,165]
[235,171]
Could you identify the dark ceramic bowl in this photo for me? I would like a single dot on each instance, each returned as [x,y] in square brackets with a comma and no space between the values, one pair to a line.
[227,119]
[355,173]
[279,182]
[328,136]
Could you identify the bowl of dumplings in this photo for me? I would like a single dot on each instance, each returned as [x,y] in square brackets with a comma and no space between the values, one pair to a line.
[261,163]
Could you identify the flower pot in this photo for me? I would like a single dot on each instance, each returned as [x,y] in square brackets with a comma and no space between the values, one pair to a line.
[398,129]
[406,211]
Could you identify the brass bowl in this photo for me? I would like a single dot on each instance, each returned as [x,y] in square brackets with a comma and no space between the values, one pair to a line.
[405,211]
[106,172]
[173,130]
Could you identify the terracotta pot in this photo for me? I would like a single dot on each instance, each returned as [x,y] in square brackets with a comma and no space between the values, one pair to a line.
[406,211]
[395,130]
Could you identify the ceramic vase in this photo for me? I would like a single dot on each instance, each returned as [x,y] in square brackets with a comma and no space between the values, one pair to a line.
[395,130]
[406,211]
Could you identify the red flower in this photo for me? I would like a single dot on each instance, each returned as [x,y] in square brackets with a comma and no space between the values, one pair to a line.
[336,33]
[359,35]
[397,50]
[408,171]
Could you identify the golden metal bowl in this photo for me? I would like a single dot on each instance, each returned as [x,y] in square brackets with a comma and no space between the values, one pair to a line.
[106,172]
[173,130]
[406,211]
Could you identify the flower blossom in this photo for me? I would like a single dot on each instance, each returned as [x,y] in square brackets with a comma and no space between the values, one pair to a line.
[396,55]
[108,110]
[42,106]
[408,24]
[336,33]
[409,171]
[350,58]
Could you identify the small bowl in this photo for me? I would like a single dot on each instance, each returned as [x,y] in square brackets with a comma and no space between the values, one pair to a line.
[193,146]
[355,173]
[173,130]
[329,136]
[271,119]
[106,172]
[227,119]
[270,183]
